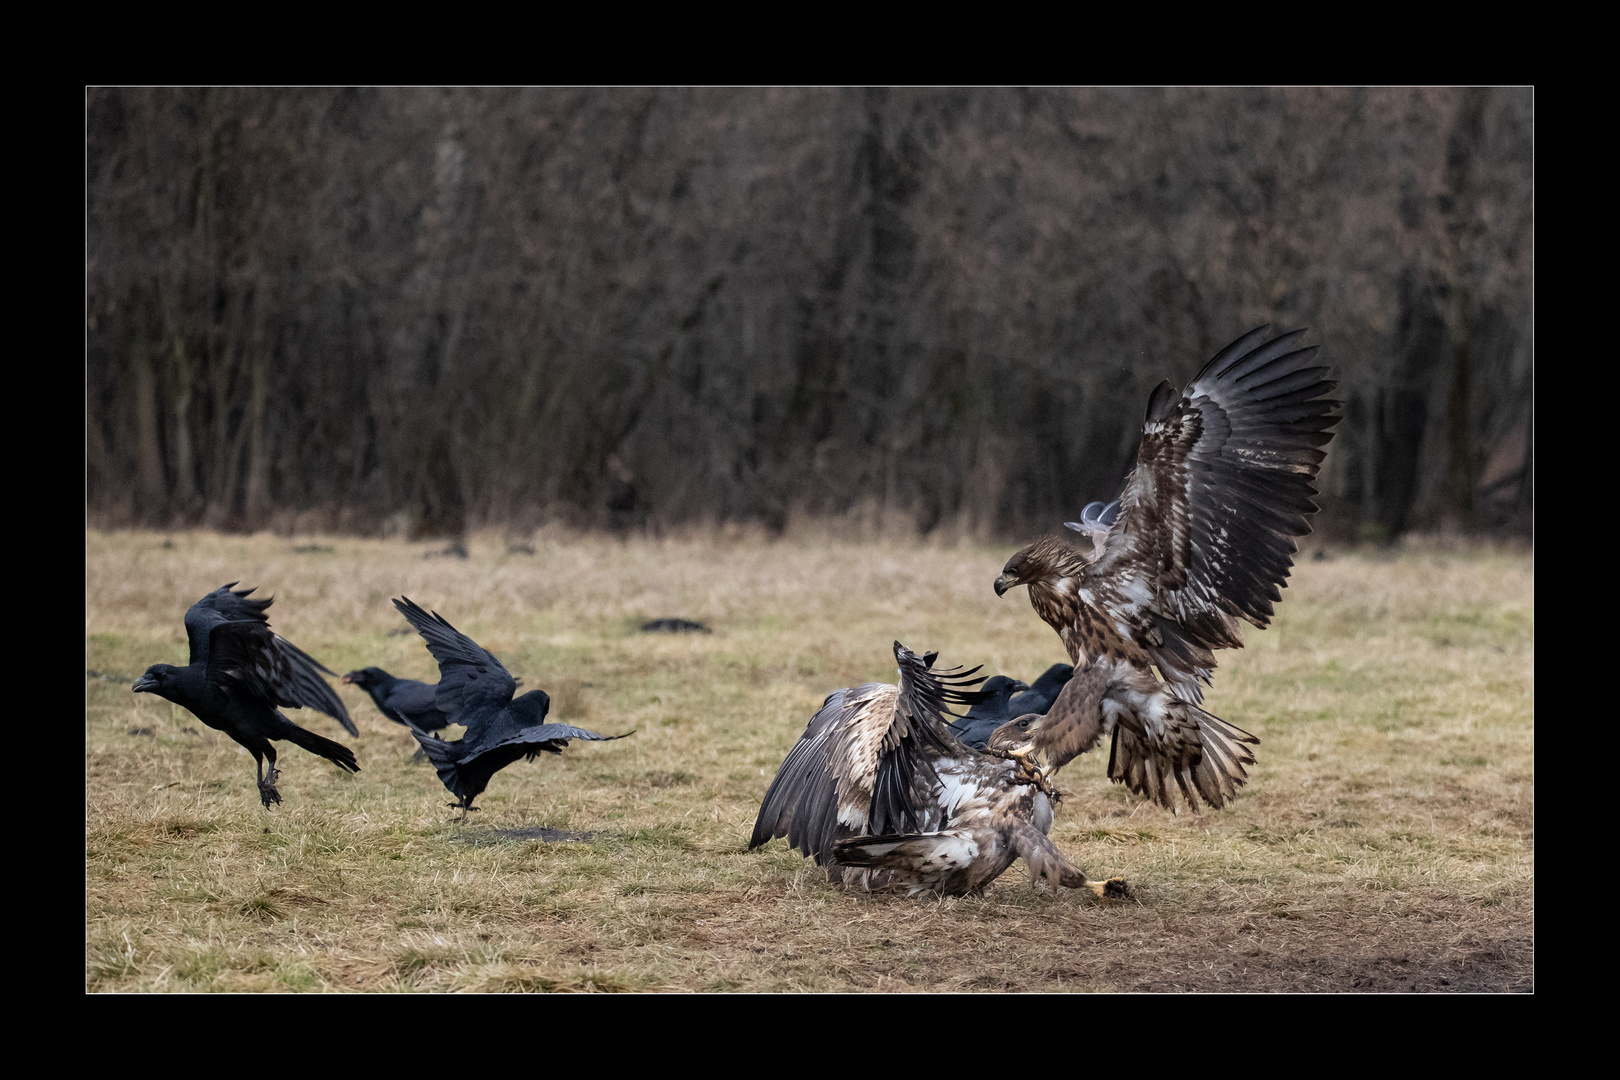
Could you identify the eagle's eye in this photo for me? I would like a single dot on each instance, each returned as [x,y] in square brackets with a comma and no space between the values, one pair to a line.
[1023,723]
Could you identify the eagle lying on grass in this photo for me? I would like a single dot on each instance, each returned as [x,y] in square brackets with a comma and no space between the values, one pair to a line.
[1201,538]
[880,792]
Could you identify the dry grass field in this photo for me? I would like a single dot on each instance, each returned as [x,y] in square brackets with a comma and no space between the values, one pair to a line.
[1385,841]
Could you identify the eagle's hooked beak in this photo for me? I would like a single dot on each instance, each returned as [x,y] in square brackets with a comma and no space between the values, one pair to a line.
[1005,582]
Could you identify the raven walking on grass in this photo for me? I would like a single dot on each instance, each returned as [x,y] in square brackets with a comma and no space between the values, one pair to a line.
[475,691]
[240,673]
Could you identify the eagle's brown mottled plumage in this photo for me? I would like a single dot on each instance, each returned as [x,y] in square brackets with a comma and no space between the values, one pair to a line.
[1203,542]
[880,791]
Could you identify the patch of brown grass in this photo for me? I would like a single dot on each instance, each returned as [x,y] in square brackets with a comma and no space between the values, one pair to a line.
[1385,841]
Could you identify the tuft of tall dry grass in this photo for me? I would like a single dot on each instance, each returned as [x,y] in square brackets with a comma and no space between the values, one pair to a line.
[1384,842]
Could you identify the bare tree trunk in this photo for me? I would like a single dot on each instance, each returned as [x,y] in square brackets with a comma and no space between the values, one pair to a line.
[149,487]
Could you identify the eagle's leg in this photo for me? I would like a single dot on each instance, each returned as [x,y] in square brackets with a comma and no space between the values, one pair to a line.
[1047,863]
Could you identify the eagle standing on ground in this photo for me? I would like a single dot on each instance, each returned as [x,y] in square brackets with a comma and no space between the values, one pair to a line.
[880,792]
[1203,538]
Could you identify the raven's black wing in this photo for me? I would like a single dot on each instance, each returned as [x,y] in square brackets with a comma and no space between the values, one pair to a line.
[466,771]
[220,606]
[249,655]
[471,680]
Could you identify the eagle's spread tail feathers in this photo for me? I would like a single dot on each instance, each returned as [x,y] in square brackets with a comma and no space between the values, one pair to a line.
[1211,766]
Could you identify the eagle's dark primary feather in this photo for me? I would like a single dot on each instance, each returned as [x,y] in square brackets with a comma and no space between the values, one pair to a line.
[1204,540]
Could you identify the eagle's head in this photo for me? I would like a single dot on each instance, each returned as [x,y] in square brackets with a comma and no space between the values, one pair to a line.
[1046,561]
[1016,736]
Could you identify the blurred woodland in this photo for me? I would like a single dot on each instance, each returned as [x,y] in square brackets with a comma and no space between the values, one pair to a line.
[424,311]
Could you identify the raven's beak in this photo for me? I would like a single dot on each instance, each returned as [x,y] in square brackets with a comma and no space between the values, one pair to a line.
[1005,582]
[349,678]
[144,685]
[1018,687]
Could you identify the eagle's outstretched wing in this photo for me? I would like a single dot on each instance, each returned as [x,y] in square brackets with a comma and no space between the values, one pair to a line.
[270,667]
[861,765]
[471,680]
[1222,486]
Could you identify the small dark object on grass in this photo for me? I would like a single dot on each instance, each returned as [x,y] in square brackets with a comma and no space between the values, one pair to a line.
[475,691]
[141,731]
[674,626]
[456,550]
[240,672]
[314,549]
[539,832]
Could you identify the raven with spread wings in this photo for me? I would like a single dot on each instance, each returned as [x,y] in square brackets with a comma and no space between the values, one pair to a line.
[240,673]
[475,690]
[880,792]
[1201,540]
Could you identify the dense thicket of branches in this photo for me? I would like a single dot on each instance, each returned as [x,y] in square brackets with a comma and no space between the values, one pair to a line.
[341,309]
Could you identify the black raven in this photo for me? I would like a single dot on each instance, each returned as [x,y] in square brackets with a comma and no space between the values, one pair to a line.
[239,674]
[404,701]
[992,710]
[1042,692]
[475,691]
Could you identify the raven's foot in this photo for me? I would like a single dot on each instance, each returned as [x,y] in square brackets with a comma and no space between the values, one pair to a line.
[268,793]
[1112,889]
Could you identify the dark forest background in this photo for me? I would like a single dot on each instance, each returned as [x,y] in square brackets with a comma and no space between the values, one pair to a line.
[427,311]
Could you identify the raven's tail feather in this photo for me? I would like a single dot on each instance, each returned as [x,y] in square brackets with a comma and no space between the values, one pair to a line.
[335,752]
[438,752]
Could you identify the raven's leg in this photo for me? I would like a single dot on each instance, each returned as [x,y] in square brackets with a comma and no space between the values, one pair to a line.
[267,788]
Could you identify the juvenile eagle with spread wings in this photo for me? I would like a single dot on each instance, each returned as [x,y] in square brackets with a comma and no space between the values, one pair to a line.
[880,792]
[1203,540]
